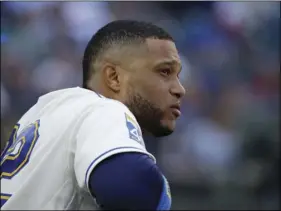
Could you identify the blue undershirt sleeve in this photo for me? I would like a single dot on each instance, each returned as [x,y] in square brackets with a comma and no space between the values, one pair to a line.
[129,181]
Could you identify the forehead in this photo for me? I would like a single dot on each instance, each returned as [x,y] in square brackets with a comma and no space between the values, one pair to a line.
[161,50]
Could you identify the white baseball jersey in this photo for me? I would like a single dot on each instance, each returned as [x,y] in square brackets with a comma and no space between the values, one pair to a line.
[57,143]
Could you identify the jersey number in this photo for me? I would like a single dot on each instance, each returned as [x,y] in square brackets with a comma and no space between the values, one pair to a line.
[18,150]
[17,153]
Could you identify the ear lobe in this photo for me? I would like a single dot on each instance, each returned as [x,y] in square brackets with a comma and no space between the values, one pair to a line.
[112,77]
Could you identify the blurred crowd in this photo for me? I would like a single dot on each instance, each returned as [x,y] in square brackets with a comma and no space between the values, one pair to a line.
[224,153]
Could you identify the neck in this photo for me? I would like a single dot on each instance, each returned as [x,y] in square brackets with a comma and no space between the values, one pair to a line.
[106,93]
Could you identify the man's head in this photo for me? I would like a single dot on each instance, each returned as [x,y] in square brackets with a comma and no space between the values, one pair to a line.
[136,63]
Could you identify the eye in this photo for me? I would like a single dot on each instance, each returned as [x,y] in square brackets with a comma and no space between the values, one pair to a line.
[166,71]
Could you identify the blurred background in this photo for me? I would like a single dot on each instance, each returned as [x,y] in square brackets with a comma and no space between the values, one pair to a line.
[224,153]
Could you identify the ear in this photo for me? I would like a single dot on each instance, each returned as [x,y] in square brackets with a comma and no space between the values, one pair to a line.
[112,77]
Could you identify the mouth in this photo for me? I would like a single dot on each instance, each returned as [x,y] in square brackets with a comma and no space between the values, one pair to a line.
[176,110]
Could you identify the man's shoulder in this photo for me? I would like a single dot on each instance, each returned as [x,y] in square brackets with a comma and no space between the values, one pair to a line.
[84,96]
[110,104]
[79,100]
[70,97]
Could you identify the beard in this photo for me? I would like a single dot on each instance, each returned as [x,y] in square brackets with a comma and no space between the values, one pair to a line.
[147,114]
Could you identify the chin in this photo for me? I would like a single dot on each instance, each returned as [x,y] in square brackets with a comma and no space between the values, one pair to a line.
[169,124]
[166,128]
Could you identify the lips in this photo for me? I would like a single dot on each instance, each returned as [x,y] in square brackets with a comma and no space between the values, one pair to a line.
[176,110]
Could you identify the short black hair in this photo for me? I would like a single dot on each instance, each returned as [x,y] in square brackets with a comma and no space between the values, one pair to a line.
[118,32]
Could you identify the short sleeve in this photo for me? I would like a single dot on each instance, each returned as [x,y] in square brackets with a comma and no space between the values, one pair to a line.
[107,130]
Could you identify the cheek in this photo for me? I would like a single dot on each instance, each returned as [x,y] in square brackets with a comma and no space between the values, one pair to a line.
[158,94]
[156,86]
[154,89]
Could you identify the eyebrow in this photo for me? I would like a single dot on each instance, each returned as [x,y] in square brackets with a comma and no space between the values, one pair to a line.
[171,63]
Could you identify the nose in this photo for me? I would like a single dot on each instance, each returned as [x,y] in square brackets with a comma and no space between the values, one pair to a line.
[178,90]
